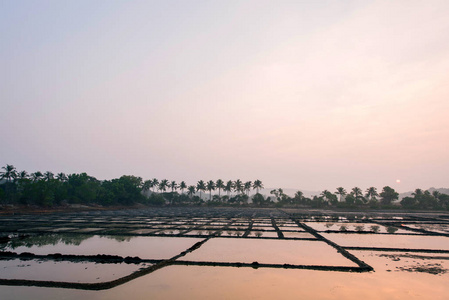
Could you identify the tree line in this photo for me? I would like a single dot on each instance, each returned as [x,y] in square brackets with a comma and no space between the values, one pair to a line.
[48,189]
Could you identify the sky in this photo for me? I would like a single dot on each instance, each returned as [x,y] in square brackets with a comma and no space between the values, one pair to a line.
[310,95]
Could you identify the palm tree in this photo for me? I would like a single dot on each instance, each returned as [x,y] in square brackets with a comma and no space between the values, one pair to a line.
[61,177]
[357,192]
[238,186]
[191,191]
[182,186]
[436,194]
[201,187]
[219,185]
[342,192]
[229,187]
[48,176]
[36,176]
[155,183]
[372,193]
[210,187]
[248,186]
[173,185]
[147,185]
[257,185]
[23,175]
[163,185]
[9,174]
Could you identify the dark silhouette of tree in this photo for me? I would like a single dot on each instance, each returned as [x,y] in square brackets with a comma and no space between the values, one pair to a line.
[371,193]
[247,187]
[388,195]
[48,176]
[61,177]
[210,187]
[155,183]
[238,186]
[229,187]
[36,176]
[257,185]
[201,187]
[342,192]
[182,186]
[173,185]
[219,185]
[163,185]
[191,191]
[9,173]
[147,185]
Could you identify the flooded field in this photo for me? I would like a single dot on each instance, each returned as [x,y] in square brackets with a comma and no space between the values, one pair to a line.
[224,253]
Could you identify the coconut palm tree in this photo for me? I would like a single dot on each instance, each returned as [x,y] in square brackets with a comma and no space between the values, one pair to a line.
[23,175]
[155,183]
[372,193]
[48,176]
[219,185]
[9,174]
[191,191]
[238,186]
[147,185]
[247,186]
[357,192]
[37,176]
[436,194]
[257,185]
[173,185]
[229,187]
[182,186]
[163,185]
[210,186]
[342,192]
[61,177]
[201,187]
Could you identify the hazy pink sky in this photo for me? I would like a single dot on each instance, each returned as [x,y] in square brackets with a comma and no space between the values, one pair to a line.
[299,94]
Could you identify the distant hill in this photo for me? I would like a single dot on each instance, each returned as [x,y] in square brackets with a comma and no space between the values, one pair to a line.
[409,194]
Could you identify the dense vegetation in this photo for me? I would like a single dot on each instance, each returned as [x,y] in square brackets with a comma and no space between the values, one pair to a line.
[47,189]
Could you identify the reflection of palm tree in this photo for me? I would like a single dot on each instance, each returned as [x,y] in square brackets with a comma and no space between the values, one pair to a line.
[391,229]
[375,228]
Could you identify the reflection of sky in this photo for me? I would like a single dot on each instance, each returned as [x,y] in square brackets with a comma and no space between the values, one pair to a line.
[304,95]
[143,247]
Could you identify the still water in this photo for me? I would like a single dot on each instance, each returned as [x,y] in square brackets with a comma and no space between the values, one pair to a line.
[217,257]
